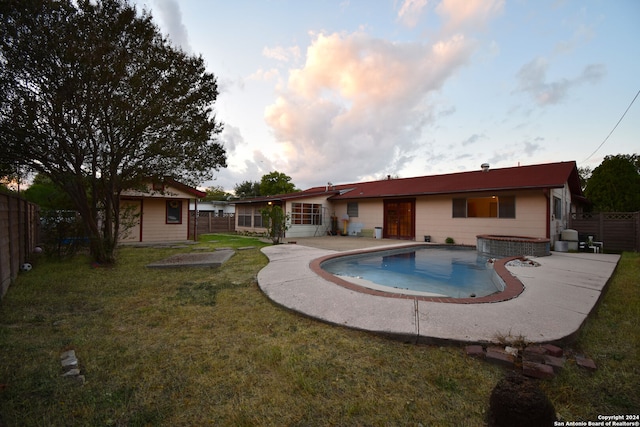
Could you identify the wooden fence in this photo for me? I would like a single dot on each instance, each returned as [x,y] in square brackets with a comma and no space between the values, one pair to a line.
[209,222]
[19,233]
[618,231]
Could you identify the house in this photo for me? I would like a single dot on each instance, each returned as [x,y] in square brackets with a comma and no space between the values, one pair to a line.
[218,208]
[158,214]
[532,201]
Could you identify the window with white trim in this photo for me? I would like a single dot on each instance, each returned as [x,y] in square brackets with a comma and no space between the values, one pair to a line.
[306,213]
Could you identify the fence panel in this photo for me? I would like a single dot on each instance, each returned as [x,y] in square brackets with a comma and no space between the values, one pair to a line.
[19,229]
[209,222]
[619,231]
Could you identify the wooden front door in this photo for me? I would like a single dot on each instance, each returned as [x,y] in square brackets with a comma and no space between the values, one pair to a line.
[399,219]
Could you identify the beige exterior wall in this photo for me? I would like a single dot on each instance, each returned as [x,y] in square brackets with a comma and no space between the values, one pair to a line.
[153,220]
[370,215]
[434,218]
[130,220]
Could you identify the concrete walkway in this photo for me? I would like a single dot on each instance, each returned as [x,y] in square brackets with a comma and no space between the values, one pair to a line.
[558,296]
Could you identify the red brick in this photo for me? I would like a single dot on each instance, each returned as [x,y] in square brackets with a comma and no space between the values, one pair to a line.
[557,363]
[586,363]
[537,370]
[474,351]
[553,350]
[500,357]
[534,353]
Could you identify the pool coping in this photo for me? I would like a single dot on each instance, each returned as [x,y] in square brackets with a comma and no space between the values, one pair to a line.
[557,298]
[513,286]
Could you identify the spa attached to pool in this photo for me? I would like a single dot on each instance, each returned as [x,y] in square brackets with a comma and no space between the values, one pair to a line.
[503,246]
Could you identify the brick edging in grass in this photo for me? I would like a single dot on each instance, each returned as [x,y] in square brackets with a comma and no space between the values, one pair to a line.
[535,361]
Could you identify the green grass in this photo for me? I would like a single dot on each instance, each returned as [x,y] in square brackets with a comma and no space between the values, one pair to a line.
[206,347]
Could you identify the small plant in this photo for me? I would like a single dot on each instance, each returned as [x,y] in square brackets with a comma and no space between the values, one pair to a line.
[449,241]
[519,341]
[275,221]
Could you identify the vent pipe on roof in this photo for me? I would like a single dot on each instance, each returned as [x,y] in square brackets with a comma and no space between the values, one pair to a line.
[329,184]
[485,167]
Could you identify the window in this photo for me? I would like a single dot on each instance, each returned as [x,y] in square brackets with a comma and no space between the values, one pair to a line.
[174,211]
[459,208]
[352,209]
[244,216]
[257,217]
[484,207]
[557,207]
[506,207]
[306,213]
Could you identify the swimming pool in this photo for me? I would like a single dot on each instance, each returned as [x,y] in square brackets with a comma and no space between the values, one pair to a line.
[452,272]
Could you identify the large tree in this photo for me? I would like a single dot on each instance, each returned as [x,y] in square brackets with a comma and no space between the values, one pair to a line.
[46,194]
[96,98]
[614,186]
[247,189]
[276,183]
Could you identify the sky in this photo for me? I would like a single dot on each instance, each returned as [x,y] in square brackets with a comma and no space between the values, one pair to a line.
[355,90]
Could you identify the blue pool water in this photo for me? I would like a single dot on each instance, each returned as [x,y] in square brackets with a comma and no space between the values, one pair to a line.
[445,271]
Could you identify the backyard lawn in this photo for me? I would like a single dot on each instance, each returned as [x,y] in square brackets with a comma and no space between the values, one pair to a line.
[191,347]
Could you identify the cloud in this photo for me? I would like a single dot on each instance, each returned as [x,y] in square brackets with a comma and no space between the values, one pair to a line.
[532,79]
[468,14]
[457,15]
[359,104]
[231,138]
[171,16]
[531,148]
[473,139]
[265,75]
[280,53]
[410,11]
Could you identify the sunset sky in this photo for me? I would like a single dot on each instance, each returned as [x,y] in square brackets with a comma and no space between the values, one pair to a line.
[353,90]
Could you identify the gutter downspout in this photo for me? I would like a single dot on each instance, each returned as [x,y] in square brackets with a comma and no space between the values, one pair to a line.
[547,192]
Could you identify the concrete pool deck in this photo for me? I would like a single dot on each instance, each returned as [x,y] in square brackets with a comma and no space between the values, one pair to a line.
[558,297]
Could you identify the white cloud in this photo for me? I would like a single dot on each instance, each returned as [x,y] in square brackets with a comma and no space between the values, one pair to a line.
[457,15]
[171,16]
[468,14]
[410,11]
[265,75]
[280,53]
[359,104]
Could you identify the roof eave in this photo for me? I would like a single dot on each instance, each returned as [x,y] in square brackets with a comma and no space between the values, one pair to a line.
[440,193]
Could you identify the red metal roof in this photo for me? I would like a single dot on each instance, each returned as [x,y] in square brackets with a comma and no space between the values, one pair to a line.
[549,175]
